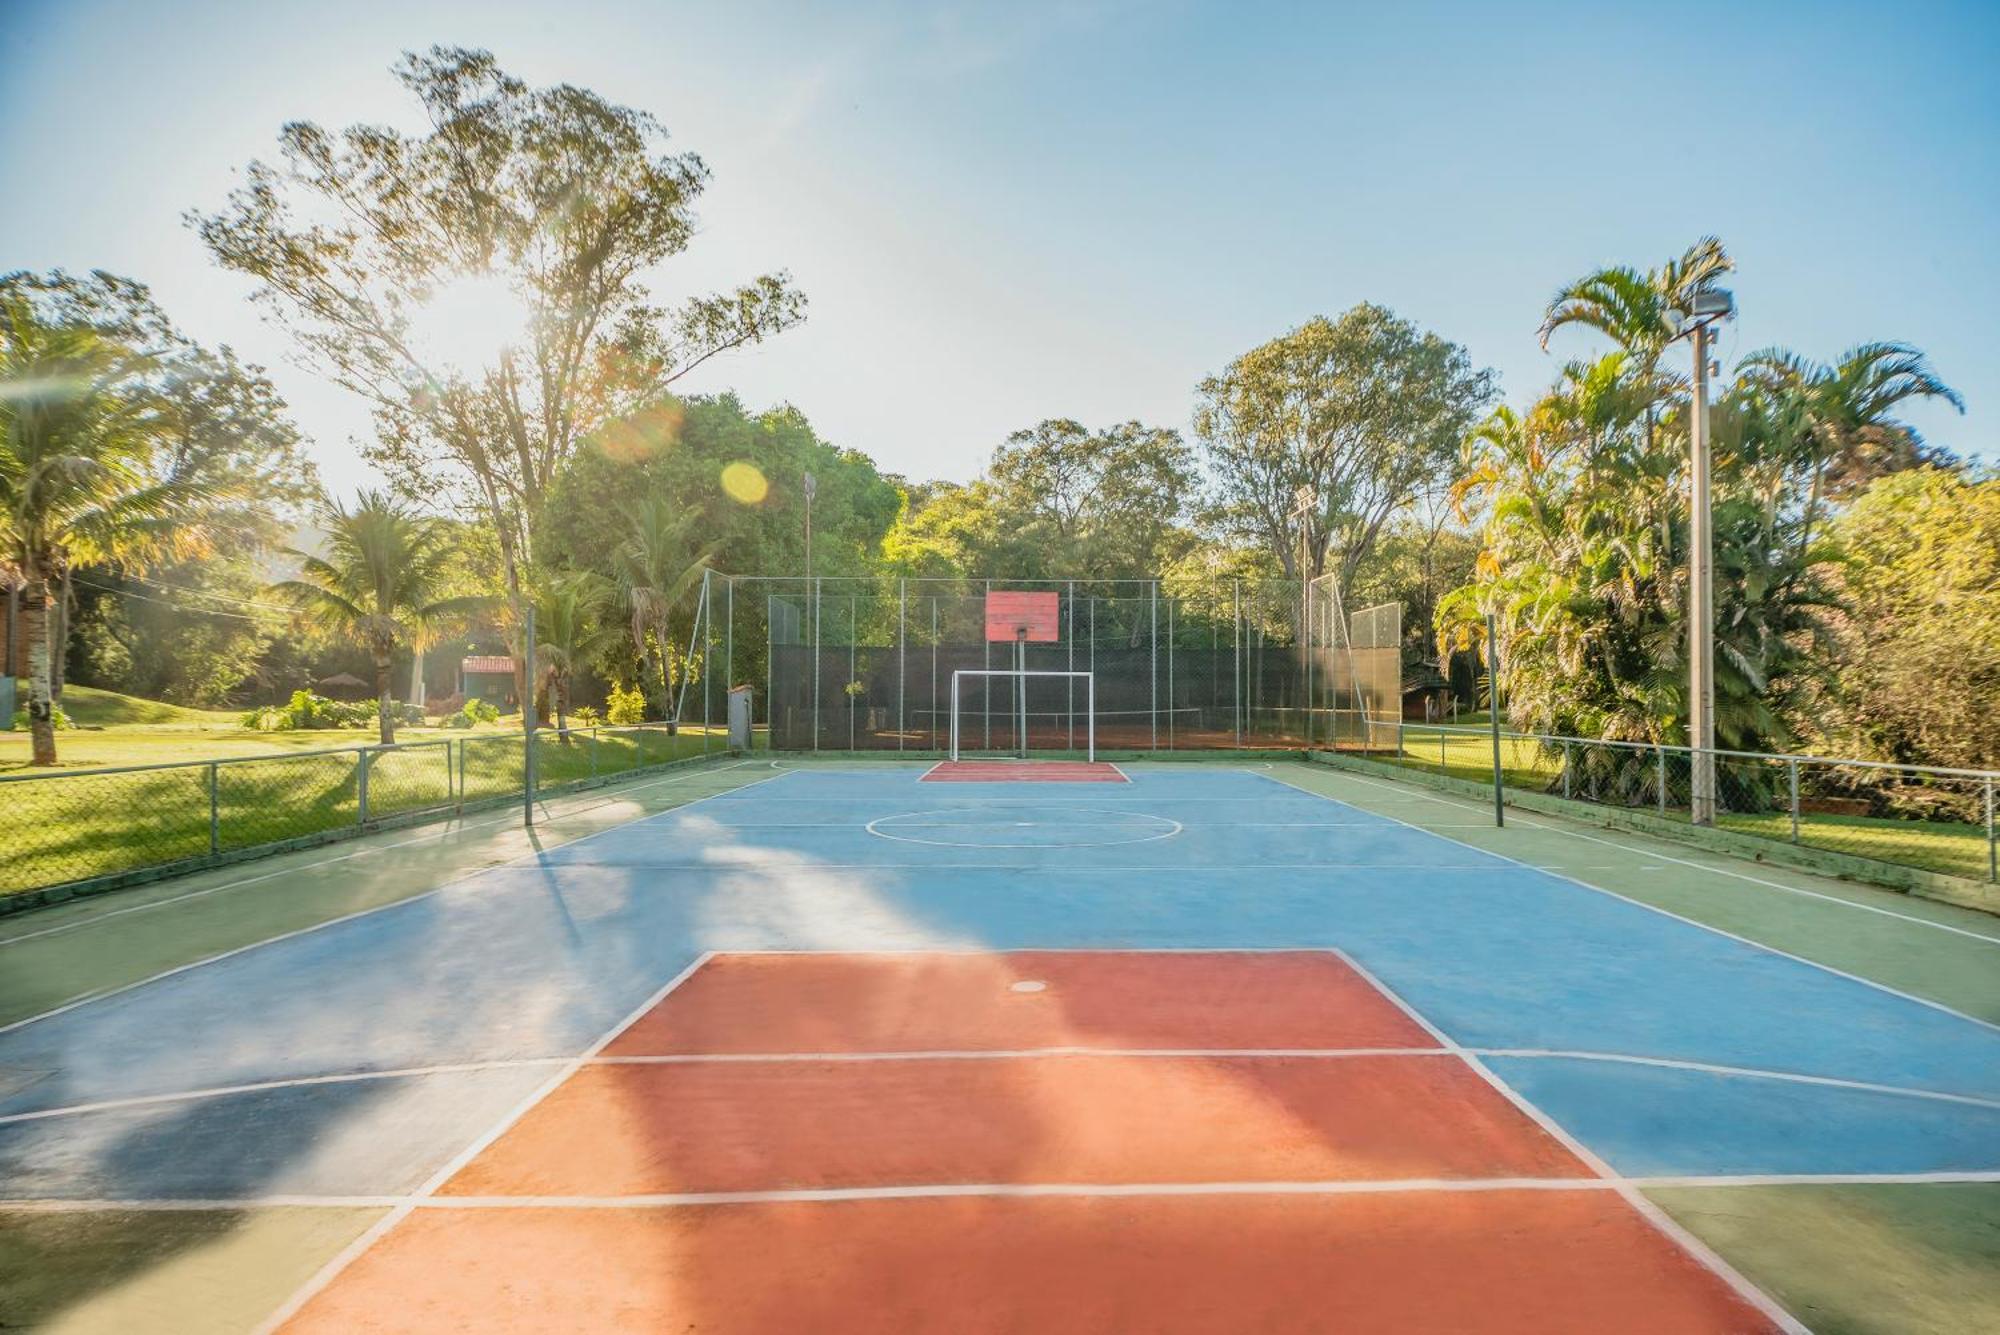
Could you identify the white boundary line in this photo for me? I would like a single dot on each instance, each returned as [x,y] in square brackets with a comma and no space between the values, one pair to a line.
[374,1233]
[870,827]
[984,1054]
[1988,938]
[445,829]
[1654,908]
[1658,1217]
[45,1205]
[122,989]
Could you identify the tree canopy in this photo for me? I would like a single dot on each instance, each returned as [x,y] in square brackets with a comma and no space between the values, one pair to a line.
[1356,415]
[527,219]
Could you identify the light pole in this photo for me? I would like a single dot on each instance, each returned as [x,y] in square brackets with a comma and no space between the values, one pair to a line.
[1710,306]
[1304,502]
[811,489]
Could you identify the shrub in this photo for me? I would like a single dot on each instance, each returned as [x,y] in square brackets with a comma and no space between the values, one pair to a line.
[626,705]
[306,710]
[585,716]
[439,706]
[56,715]
[481,711]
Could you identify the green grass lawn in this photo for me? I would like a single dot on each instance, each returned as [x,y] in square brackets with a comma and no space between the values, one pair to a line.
[114,729]
[77,823]
[1942,846]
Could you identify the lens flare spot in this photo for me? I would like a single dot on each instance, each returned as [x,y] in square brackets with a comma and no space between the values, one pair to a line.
[745,483]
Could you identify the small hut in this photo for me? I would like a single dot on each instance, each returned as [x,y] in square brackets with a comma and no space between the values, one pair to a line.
[343,686]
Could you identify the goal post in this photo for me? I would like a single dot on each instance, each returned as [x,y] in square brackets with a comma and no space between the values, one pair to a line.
[1022,676]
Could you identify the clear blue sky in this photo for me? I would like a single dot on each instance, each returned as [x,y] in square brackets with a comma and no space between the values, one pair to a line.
[1008,212]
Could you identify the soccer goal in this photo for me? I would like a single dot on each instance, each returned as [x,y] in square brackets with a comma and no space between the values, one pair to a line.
[1018,714]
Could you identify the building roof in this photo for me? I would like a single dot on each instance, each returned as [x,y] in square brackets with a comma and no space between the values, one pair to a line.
[341,679]
[487,663]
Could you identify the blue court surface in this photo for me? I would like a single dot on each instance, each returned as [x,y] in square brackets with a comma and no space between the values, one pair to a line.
[353,1060]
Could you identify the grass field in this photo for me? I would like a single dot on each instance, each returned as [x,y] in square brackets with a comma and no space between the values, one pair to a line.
[114,729]
[265,787]
[1952,848]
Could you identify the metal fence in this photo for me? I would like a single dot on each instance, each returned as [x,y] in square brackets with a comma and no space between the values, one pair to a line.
[1927,817]
[866,664]
[63,827]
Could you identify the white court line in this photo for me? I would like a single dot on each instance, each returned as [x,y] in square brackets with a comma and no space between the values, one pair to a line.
[95,997]
[921,1191]
[769,859]
[348,1254]
[1743,1072]
[981,1054]
[264,1086]
[447,828]
[1986,937]
[1658,1217]
[1654,908]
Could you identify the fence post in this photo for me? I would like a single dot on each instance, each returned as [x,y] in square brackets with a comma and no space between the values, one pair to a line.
[528,726]
[1441,765]
[593,752]
[1992,836]
[362,786]
[215,807]
[1792,779]
[1493,719]
[1565,769]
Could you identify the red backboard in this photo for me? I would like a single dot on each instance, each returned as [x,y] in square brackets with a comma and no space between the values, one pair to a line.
[1036,617]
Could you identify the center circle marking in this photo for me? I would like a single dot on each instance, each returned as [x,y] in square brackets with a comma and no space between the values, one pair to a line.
[972,827]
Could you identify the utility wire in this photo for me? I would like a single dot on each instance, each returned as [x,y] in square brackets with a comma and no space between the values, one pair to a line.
[265,620]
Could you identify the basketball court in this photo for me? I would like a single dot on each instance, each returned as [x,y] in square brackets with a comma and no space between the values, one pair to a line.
[1041,1043]
[852,1048]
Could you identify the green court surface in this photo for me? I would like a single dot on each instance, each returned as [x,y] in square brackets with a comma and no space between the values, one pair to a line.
[1860,1260]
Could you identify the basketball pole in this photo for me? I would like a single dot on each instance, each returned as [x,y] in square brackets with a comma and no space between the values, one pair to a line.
[1021,691]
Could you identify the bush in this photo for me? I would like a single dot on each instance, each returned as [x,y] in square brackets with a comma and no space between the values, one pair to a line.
[585,716]
[308,711]
[626,705]
[438,706]
[472,711]
[56,715]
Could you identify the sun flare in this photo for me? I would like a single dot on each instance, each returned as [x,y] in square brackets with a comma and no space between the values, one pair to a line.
[470,322]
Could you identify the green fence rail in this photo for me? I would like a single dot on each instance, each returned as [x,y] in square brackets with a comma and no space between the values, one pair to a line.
[1926,817]
[84,827]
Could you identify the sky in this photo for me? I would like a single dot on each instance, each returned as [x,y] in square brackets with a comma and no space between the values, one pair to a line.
[1002,213]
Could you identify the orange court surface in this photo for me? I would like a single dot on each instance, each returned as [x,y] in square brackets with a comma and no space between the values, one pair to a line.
[1048,1141]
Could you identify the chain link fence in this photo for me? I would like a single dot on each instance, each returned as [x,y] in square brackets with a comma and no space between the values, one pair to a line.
[867,664]
[69,827]
[1926,817]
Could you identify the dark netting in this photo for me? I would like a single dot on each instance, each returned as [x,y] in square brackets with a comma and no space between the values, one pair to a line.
[862,664]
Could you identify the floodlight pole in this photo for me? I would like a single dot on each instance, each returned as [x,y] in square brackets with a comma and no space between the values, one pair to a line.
[810,486]
[1709,307]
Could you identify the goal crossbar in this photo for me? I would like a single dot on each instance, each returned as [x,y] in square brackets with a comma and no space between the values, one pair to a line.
[1089,707]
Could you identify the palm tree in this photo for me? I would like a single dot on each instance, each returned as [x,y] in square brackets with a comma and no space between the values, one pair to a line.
[78,483]
[384,575]
[1640,312]
[1845,434]
[656,565]
[570,633]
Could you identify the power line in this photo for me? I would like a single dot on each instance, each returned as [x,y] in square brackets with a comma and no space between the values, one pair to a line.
[231,599]
[264,620]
